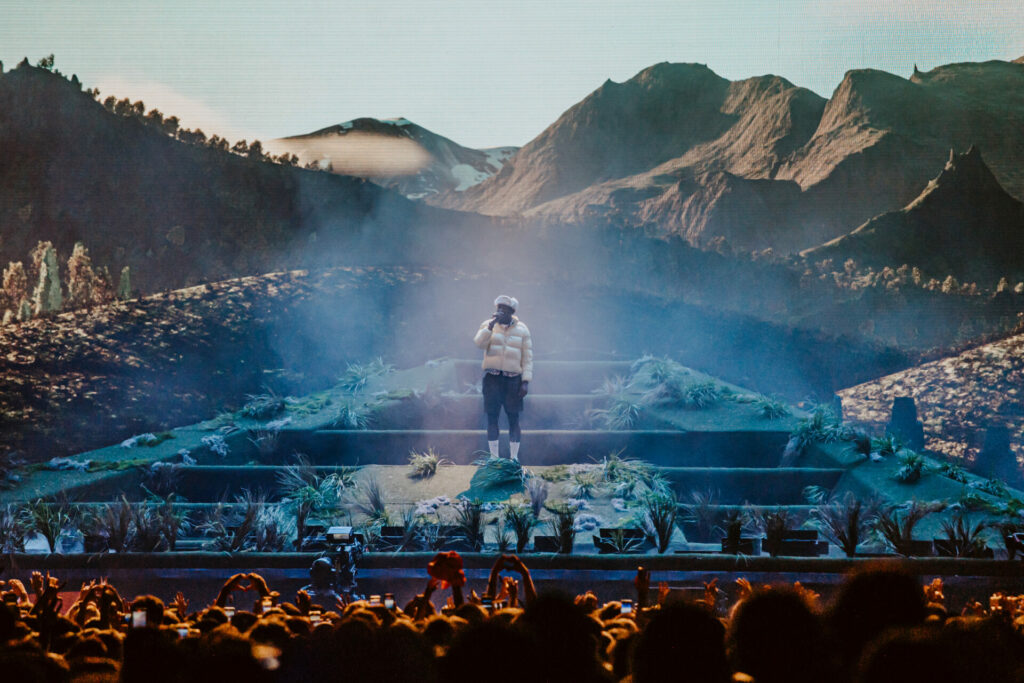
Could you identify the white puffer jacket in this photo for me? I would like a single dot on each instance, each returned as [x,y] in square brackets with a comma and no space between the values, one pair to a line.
[507,348]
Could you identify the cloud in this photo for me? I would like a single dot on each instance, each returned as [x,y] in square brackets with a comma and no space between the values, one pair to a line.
[358,153]
[191,112]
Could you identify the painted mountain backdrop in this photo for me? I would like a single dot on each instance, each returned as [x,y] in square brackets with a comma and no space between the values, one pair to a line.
[963,224]
[180,208]
[175,206]
[761,162]
[398,154]
[653,202]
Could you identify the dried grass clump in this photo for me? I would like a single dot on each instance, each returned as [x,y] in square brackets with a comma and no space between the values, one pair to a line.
[659,511]
[50,520]
[563,526]
[262,406]
[306,492]
[583,484]
[965,540]
[537,489]
[895,525]
[370,500]
[911,467]
[424,465]
[775,525]
[15,525]
[823,426]
[265,441]
[469,520]
[844,521]
[772,408]
[351,413]
[522,520]
[358,374]
[622,413]
[702,512]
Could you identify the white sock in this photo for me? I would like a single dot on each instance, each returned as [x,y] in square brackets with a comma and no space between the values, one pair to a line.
[514,447]
[493,447]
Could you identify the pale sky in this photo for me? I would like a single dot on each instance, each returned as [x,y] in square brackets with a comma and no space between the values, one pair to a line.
[482,73]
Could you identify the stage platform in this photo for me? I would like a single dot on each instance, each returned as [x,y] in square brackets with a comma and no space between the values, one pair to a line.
[728,449]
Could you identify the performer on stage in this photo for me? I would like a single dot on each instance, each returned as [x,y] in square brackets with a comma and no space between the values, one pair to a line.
[508,369]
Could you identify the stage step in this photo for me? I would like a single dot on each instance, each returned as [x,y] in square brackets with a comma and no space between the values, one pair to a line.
[724,452]
[198,507]
[540,411]
[735,486]
[553,376]
[755,485]
[540,447]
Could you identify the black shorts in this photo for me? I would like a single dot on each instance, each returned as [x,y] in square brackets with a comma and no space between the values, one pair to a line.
[501,391]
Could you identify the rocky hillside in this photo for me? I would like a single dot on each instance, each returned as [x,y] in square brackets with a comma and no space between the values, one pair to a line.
[176,213]
[435,163]
[96,376]
[957,398]
[759,162]
[963,224]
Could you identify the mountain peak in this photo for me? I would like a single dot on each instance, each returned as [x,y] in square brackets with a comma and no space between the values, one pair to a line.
[963,224]
[395,127]
[963,172]
[435,165]
[674,74]
[965,180]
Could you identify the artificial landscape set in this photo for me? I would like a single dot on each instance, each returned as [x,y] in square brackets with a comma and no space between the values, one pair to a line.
[775,336]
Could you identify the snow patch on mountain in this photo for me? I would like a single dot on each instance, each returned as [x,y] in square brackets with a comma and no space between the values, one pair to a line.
[467,176]
[442,166]
[497,156]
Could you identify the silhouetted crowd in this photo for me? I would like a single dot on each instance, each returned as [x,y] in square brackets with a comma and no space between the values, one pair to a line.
[880,627]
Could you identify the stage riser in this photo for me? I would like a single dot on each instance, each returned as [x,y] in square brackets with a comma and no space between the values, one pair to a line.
[467,412]
[555,447]
[553,377]
[754,486]
[730,486]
